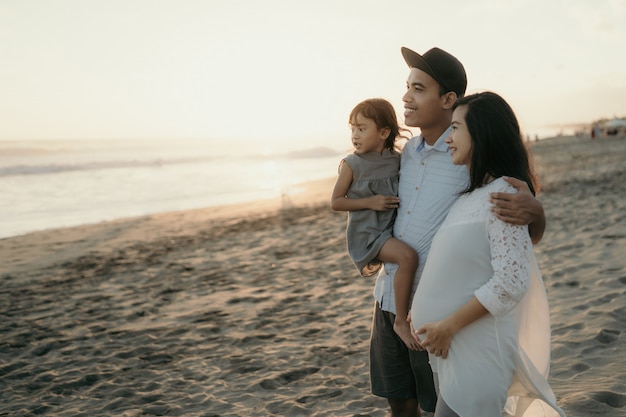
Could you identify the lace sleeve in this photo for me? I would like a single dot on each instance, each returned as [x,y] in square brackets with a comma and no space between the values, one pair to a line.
[511,269]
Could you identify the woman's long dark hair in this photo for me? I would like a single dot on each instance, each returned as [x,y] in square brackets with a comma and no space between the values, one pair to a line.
[498,148]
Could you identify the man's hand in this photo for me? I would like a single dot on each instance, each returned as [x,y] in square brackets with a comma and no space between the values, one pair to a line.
[514,208]
[520,208]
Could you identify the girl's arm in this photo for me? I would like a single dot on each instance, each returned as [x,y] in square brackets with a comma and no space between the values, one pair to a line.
[340,202]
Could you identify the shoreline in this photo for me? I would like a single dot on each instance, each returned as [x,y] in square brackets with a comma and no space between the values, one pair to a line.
[62,243]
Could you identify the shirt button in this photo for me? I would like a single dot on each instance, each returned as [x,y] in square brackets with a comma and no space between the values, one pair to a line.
[417,188]
[423,163]
[408,212]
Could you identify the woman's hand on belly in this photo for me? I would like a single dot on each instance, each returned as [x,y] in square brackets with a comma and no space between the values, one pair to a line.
[438,335]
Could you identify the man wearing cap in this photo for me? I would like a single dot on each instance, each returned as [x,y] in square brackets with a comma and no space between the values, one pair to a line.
[429,185]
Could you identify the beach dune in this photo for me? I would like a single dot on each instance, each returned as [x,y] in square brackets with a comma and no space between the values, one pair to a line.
[257,310]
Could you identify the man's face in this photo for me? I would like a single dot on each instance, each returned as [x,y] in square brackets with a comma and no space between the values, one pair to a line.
[422,102]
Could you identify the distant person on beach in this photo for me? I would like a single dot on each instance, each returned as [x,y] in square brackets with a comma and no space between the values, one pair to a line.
[595,132]
[429,185]
[367,188]
[484,318]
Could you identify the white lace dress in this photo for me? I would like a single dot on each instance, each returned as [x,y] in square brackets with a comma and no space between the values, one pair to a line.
[501,360]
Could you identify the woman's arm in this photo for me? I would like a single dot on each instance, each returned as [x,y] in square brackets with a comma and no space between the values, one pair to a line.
[509,247]
[439,334]
[520,208]
[340,202]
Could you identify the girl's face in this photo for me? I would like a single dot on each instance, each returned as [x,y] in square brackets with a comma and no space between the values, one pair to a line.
[366,136]
[459,141]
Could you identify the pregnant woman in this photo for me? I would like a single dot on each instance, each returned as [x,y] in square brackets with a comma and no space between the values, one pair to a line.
[480,308]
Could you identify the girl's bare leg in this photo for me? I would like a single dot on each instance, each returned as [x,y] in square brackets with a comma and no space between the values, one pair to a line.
[398,252]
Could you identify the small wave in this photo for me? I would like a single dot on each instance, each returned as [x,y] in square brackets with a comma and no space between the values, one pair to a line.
[24,169]
[319,152]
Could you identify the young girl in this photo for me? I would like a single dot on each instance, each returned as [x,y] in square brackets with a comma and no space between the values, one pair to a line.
[481,308]
[367,189]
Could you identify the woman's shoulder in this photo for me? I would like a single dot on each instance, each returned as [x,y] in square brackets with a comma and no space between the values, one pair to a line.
[476,204]
[495,186]
[500,185]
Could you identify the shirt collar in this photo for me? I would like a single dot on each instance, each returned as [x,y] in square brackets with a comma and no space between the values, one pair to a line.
[440,145]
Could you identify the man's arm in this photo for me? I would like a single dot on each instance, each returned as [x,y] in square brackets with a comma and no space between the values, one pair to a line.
[520,208]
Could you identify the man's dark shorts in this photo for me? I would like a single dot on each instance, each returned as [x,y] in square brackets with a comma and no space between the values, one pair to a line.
[395,371]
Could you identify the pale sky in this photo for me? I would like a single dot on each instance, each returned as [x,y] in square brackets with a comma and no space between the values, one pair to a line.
[286,73]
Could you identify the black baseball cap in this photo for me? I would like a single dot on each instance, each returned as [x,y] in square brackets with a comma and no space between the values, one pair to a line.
[439,64]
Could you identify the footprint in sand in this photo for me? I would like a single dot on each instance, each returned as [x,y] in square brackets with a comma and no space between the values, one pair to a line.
[287,377]
[609,398]
[607,336]
[321,394]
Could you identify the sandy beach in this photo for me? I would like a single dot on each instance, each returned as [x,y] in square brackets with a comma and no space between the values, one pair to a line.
[256,310]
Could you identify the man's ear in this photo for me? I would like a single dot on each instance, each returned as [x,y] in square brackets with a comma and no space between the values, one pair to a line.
[449,99]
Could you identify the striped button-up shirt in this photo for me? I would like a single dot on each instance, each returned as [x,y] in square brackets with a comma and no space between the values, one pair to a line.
[429,184]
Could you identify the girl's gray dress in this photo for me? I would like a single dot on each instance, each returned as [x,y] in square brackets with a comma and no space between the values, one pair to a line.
[368,230]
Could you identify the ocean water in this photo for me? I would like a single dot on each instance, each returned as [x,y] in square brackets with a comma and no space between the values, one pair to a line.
[59,183]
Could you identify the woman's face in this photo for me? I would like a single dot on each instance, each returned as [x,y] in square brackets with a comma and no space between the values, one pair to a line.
[459,141]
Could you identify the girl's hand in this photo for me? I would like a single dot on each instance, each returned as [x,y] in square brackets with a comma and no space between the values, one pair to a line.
[383,202]
[438,337]
[414,333]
